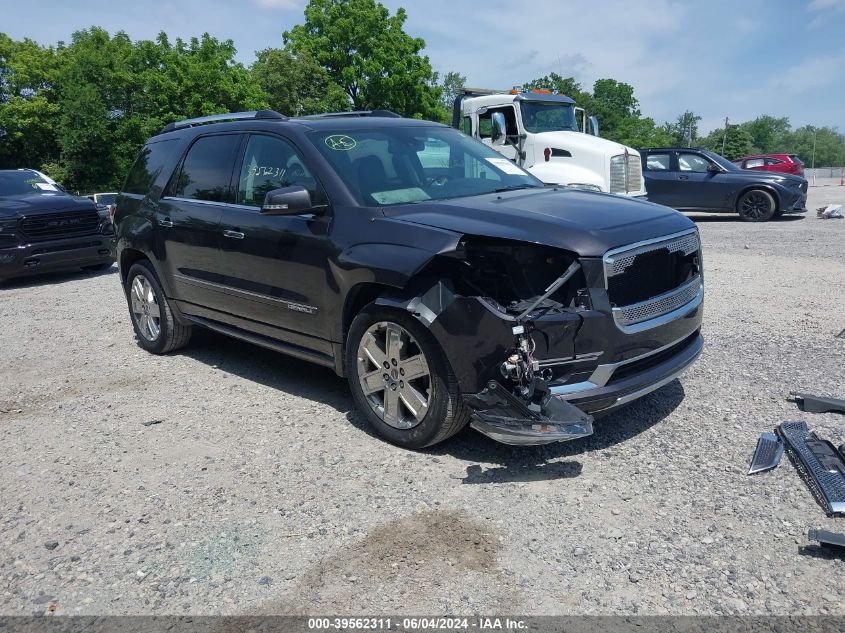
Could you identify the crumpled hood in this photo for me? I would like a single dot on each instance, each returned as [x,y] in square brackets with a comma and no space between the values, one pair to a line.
[582,222]
[39,203]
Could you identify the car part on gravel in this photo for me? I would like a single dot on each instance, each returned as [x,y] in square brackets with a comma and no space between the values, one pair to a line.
[826,538]
[768,453]
[841,334]
[500,415]
[818,461]
[817,404]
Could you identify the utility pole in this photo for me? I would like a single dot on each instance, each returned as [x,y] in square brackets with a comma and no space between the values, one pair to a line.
[813,165]
[725,136]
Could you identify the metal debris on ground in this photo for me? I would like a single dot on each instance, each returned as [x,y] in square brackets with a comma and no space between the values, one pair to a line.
[767,455]
[826,538]
[151,422]
[816,404]
[819,463]
[830,212]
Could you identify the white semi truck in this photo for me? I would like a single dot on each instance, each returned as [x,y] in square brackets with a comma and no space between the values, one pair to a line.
[546,134]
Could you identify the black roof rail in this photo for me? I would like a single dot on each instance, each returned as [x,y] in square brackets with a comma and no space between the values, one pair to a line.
[227,116]
[372,113]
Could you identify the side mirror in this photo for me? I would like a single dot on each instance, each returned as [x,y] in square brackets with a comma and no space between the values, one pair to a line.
[291,200]
[714,169]
[499,135]
[594,125]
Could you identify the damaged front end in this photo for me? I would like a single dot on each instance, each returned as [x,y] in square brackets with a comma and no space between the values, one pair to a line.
[482,302]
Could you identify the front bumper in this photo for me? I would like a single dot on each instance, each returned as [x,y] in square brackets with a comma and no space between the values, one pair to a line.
[51,255]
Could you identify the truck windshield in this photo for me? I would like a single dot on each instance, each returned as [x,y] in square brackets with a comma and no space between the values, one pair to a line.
[20,182]
[548,117]
[390,165]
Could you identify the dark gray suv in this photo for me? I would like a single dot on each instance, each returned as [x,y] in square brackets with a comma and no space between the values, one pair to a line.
[444,281]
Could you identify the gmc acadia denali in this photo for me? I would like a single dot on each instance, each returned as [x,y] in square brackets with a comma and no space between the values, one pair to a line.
[445,282]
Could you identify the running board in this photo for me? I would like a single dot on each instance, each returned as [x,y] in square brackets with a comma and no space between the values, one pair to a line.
[264,341]
[819,463]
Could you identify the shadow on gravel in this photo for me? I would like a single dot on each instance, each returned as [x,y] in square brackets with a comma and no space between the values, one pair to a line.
[703,218]
[49,279]
[272,369]
[522,473]
[826,553]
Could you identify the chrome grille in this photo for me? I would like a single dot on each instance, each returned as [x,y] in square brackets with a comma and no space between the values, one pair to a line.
[657,306]
[617,174]
[626,173]
[635,173]
[653,279]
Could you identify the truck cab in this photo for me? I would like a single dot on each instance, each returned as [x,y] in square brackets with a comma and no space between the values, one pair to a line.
[546,134]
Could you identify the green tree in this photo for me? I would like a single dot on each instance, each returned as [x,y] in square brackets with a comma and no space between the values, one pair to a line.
[768,134]
[367,53]
[737,142]
[451,86]
[684,131]
[830,146]
[560,85]
[296,86]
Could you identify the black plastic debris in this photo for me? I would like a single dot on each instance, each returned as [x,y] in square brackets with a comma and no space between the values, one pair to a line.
[817,404]
[826,538]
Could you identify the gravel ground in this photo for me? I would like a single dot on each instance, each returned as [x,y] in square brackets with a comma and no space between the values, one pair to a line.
[230,479]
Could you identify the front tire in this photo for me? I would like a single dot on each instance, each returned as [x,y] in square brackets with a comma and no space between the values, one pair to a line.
[156,328]
[756,205]
[401,380]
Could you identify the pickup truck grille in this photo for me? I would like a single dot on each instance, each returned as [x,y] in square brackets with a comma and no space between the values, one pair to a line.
[626,173]
[654,278]
[60,225]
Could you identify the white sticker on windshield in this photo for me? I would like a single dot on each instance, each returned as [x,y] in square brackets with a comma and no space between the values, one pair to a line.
[400,196]
[506,166]
[46,186]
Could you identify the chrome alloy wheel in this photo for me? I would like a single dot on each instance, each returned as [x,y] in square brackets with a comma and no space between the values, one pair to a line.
[145,308]
[394,375]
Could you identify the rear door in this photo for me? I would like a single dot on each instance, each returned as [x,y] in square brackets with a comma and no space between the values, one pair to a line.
[188,218]
[275,267]
[660,179]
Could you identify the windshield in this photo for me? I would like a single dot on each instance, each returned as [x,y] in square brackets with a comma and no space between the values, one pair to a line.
[398,165]
[724,162]
[107,198]
[21,182]
[548,117]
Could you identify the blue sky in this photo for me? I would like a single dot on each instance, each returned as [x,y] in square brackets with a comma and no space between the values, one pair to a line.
[716,57]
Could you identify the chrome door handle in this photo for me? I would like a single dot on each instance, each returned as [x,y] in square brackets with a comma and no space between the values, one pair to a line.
[165,222]
[235,235]
[683,177]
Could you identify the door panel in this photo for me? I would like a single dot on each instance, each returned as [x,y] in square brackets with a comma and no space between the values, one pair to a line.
[188,218]
[699,188]
[275,267]
[660,179]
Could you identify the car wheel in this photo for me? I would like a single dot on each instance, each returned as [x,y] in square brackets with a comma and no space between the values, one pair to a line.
[96,267]
[156,328]
[401,380]
[756,205]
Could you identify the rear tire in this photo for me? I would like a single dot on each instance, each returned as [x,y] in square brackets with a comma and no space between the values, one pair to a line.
[412,398]
[756,205]
[156,328]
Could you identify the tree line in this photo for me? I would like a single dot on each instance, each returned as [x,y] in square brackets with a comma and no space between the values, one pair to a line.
[80,110]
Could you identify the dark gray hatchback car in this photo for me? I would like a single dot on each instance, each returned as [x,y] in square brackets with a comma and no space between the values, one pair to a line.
[444,281]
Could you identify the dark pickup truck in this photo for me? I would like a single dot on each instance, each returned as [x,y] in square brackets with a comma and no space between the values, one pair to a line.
[43,228]
[443,280]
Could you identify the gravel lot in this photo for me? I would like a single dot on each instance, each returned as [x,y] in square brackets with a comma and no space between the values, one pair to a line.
[230,479]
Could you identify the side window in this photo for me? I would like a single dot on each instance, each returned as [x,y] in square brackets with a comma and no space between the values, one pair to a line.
[270,163]
[485,122]
[658,162]
[692,162]
[149,164]
[207,170]
[773,161]
[485,125]
[754,162]
[466,126]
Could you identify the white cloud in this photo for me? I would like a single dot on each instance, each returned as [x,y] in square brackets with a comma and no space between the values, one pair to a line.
[279,4]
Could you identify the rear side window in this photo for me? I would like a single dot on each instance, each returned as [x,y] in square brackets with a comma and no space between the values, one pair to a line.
[692,162]
[657,162]
[148,166]
[754,162]
[773,161]
[207,171]
[794,158]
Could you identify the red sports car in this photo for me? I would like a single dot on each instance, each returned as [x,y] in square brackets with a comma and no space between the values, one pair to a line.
[786,163]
